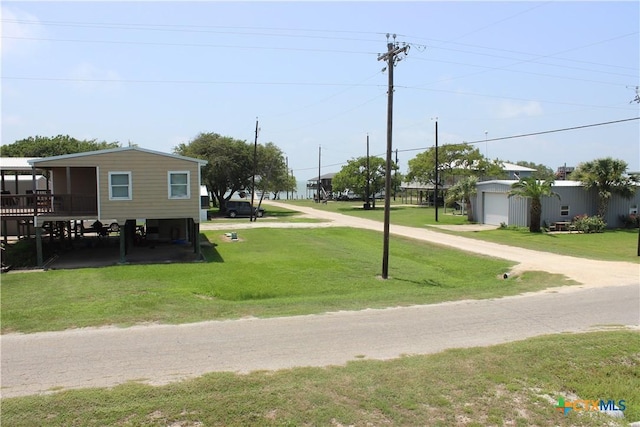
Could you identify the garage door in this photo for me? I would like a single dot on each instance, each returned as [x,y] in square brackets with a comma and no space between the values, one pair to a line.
[496,208]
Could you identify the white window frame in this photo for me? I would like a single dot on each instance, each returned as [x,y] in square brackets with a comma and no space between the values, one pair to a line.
[568,210]
[129,186]
[188,184]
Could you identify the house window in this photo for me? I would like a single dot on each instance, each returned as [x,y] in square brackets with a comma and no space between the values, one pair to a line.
[179,185]
[564,210]
[120,186]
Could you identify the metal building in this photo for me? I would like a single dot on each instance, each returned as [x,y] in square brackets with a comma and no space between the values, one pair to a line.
[493,206]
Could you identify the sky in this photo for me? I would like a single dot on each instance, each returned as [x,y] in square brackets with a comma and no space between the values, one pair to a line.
[157,74]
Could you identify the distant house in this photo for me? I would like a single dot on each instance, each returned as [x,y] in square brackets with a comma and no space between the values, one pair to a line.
[516,172]
[423,193]
[564,172]
[122,185]
[493,206]
[326,186]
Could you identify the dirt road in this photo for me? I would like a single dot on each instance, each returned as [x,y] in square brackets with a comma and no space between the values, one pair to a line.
[157,354]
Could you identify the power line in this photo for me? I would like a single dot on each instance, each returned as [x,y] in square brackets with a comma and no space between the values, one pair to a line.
[536,56]
[326,98]
[524,135]
[556,130]
[64,79]
[487,68]
[124,42]
[483,95]
[250,31]
[212,29]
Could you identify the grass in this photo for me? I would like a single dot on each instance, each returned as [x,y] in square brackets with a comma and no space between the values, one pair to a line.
[511,384]
[277,272]
[268,272]
[401,214]
[612,245]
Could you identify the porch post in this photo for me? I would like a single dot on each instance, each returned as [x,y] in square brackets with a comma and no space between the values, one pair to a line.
[196,238]
[68,172]
[35,190]
[39,257]
[123,246]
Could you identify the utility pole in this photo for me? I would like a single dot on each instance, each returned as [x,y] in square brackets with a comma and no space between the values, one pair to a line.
[435,196]
[319,164]
[294,192]
[391,57]
[395,178]
[253,177]
[368,192]
[287,162]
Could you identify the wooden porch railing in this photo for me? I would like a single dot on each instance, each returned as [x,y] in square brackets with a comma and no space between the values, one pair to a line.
[21,205]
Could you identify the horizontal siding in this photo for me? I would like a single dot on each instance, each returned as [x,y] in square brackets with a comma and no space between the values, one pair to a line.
[150,197]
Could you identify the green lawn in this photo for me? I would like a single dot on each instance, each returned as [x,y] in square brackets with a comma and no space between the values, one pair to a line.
[612,245]
[516,384]
[401,214]
[268,272]
[279,272]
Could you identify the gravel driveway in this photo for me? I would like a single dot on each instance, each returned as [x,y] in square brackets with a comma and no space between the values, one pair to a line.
[158,354]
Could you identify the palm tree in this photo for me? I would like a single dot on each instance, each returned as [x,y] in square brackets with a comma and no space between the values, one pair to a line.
[535,190]
[608,177]
[463,190]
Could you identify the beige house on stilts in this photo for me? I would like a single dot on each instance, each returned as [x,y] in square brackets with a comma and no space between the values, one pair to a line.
[125,186]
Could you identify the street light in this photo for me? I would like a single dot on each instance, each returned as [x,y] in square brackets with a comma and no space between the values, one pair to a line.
[486,150]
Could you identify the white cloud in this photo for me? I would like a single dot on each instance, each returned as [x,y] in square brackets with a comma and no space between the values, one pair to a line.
[19,29]
[511,109]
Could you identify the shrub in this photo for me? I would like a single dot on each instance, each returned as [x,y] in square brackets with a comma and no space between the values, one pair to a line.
[630,221]
[588,224]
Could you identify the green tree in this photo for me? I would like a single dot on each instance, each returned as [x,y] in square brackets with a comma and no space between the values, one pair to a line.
[542,172]
[353,176]
[230,166]
[608,176]
[535,190]
[463,190]
[272,174]
[42,146]
[454,161]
